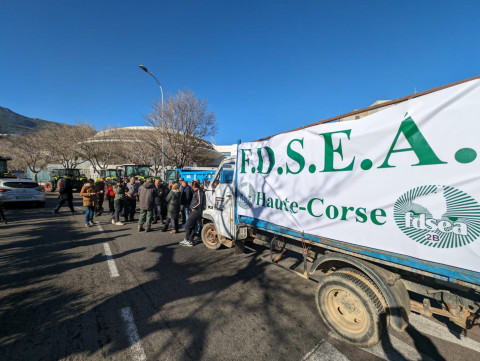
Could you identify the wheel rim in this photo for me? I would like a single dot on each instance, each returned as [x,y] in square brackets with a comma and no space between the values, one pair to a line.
[346,311]
[211,237]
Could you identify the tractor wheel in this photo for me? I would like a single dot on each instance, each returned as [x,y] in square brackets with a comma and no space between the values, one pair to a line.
[50,186]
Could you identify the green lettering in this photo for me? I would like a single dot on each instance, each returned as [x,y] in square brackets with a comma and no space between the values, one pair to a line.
[294,207]
[330,152]
[309,207]
[269,202]
[262,198]
[374,215]
[361,214]
[245,160]
[418,144]
[297,157]
[329,210]
[271,159]
[345,212]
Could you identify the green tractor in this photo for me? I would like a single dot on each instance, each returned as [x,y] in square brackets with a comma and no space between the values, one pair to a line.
[56,174]
[110,175]
[3,168]
[140,171]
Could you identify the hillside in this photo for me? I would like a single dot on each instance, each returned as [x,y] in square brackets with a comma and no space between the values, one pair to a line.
[13,123]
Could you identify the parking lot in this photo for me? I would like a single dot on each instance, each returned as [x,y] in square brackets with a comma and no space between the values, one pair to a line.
[108,292]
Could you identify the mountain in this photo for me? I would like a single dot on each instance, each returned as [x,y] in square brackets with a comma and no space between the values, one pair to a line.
[13,123]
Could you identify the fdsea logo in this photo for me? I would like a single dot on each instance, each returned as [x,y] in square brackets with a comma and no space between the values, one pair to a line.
[438,216]
[246,198]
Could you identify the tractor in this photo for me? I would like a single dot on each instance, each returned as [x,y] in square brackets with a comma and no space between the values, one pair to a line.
[3,168]
[140,171]
[110,175]
[56,174]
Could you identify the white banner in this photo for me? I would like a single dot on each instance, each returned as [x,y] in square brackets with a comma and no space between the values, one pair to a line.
[405,179]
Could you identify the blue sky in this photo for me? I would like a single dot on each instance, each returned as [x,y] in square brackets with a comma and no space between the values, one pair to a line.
[264,66]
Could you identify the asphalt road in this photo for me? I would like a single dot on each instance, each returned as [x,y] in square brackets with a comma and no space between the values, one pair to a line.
[108,292]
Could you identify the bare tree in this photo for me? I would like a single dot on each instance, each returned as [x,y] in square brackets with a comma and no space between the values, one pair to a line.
[99,149]
[184,125]
[27,152]
[61,142]
[147,148]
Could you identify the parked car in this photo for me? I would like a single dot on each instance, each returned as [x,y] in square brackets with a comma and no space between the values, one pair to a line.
[19,191]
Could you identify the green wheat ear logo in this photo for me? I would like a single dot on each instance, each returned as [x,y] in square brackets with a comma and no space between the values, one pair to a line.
[246,195]
[438,216]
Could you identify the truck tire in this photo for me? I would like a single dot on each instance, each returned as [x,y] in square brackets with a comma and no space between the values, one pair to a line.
[210,237]
[365,279]
[351,309]
[50,186]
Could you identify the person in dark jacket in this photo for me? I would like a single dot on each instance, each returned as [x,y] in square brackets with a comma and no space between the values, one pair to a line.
[196,208]
[173,208]
[186,197]
[131,199]
[2,215]
[160,202]
[65,193]
[100,185]
[146,202]
[119,200]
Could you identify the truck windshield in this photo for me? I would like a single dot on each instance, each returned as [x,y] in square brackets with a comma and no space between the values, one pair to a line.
[65,172]
[109,173]
[137,170]
[171,175]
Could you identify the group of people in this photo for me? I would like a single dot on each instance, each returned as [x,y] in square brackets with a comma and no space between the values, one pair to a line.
[176,203]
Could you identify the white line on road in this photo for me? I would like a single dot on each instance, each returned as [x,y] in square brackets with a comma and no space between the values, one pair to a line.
[396,351]
[110,261]
[99,226]
[424,325]
[324,351]
[133,338]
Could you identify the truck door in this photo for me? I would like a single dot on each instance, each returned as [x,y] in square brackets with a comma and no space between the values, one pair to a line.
[221,199]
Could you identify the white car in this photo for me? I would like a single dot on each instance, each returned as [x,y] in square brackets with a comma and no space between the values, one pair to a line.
[18,191]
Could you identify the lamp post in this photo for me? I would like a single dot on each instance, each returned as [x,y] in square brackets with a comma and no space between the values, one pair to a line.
[161,90]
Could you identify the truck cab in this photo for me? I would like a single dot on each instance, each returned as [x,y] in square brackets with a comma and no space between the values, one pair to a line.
[189,174]
[219,214]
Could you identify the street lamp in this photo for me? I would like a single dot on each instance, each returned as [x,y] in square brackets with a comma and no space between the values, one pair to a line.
[161,90]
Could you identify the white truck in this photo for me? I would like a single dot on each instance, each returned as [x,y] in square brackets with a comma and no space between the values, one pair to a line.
[384,209]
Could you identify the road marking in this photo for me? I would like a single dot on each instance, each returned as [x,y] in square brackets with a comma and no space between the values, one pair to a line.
[324,351]
[396,351]
[138,354]
[424,325]
[111,263]
[99,226]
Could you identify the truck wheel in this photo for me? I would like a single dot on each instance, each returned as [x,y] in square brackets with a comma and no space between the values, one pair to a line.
[210,237]
[351,309]
[50,187]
